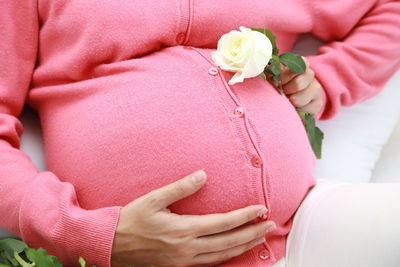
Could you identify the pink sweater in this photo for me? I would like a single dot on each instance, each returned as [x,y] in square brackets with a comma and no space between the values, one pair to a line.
[129,102]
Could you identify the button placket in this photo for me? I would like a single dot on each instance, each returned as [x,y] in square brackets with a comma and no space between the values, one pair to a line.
[242,126]
[184,21]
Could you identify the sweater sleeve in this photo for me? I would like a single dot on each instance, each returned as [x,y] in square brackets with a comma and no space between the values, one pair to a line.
[362,50]
[37,206]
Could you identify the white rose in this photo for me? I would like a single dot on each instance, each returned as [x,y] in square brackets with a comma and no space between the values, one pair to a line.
[245,52]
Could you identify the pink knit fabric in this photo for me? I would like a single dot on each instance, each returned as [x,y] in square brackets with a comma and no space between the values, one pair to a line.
[128,104]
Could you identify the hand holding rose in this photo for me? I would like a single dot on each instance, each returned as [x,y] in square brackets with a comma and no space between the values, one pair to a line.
[303,90]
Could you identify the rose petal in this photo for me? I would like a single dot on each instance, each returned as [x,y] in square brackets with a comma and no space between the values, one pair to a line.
[252,68]
[263,44]
[261,57]
[227,42]
[238,77]
[219,61]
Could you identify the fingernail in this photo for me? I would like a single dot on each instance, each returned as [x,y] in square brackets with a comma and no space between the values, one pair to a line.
[260,241]
[270,228]
[198,177]
[262,213]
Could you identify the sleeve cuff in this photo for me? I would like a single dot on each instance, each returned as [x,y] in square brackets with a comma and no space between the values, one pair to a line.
[88,233]
[50,217]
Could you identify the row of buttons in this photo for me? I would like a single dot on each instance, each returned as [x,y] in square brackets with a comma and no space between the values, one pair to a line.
[238,111]
[255,160]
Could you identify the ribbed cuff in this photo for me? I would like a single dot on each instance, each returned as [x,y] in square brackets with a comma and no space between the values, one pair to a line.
[50,217]
[88,233]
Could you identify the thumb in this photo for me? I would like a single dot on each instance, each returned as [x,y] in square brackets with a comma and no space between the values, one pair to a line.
[165,196]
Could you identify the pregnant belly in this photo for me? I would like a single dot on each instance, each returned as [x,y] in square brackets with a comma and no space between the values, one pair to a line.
[163,117]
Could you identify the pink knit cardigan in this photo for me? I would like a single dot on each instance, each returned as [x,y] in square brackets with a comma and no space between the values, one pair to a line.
[129,101]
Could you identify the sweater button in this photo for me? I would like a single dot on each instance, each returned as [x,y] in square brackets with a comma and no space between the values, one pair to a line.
[213,71]
[263,254]
[256,161]
[180,38]
[239,111]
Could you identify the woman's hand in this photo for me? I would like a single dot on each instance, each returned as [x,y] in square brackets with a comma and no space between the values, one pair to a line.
[303,90]
[149,234]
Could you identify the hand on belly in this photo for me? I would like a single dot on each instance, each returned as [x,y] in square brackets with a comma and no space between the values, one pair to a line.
[150,234]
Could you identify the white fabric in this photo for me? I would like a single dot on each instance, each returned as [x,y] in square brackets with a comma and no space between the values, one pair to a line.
[387,168]
[280,263]
[346,225]
[355,137]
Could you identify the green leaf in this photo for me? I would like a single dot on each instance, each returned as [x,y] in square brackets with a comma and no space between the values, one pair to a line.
[56,261]
[293,61]
[274,69]
[4,265]
[270,36]
[82,262]
[41,258]
[10,244]
[7,248]
[275,66]
[302,115]
[315,135]
[5,259]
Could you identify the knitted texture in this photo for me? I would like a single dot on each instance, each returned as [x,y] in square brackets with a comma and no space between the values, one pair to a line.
[128,103]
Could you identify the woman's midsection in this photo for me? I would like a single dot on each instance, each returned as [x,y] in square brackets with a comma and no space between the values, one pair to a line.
[144,123]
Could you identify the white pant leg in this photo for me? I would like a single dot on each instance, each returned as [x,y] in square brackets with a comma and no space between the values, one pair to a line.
[346,225]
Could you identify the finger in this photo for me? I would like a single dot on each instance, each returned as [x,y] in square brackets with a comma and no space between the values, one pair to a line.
[225,255]
[233,238]
[313,107]
[165,196]
[219,222]
[299,83]
[304,97]
[306,62]
[287,75]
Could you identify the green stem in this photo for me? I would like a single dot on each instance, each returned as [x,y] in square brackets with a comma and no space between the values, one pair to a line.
[21,261]
[280,87]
